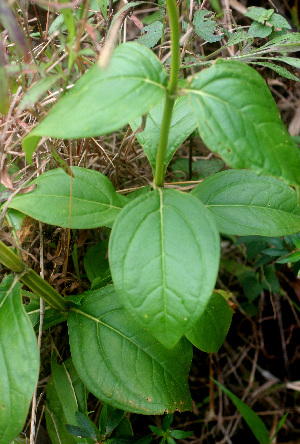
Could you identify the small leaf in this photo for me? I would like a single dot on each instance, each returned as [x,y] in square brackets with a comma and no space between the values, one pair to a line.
[180,434]
[19,361]
[99,102]
[278,21]
[238,118]
[96,262]
[259,30]
[76,431]
[205,27]
[86,425]
[153,33]
[124,365]
[168,419]
[164,259]
[238,37]
[259,14]
[183,123]
[244,203]
[114,420]
[94,201]
[209,332]
[256,425]
[293,257]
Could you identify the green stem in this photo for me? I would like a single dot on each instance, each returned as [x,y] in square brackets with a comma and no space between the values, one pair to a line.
[32,279]
[171,94]
[163,142]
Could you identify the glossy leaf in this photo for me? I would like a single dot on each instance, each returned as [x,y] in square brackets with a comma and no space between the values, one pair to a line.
[123,364]
[19,361]
[183,123]
[164,259]
[94,200]
[256,425]
[104,100]
[244,203]
[209,332]
[238,118]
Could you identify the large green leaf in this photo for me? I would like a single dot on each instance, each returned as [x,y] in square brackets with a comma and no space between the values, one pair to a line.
[209,332]
[104,100]
[244,203]
[123,364]
[94,200]
[19,361]
[238,118]
[164,258]
[183,124]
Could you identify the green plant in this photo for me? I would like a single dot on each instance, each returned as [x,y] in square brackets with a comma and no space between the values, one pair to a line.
[164,246]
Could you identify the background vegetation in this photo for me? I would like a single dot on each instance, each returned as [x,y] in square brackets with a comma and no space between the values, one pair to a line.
[259,360]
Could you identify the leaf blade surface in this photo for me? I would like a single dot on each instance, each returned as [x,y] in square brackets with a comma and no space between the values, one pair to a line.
[123,364]
[238,118]
[94,200]
[164,258]
[104,100]
[19,361]
[244,203]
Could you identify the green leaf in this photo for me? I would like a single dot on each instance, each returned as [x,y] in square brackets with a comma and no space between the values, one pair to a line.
[278,21]
[259,14]
[180,434]
[66,393]
[284,43]
[256,425]
[293,257]
[244,203]
[19,361]
[183,123]
[279,69]
[122,364]
[238,118]
[238,37]
[96,262]
[209,332]
[76,431]
[164,259]
[55,418]
[94,200]
[205,27]
[153,33]
[104,100]
[114,420]
[259,30]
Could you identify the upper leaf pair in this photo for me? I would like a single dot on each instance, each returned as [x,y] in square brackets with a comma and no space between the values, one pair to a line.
[233,107]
